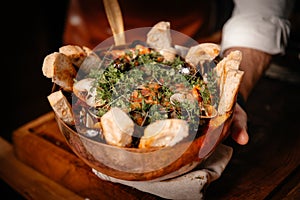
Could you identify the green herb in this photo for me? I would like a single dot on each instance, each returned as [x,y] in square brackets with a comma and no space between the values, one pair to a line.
[152,81]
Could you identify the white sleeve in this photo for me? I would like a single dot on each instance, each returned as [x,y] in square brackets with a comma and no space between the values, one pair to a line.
[258,24]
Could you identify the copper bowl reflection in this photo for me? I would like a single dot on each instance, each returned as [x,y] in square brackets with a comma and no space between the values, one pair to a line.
[135,164]
[152,164]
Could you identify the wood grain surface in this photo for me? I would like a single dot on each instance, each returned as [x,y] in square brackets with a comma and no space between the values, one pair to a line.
[41,145]
[266,168]
[27,181]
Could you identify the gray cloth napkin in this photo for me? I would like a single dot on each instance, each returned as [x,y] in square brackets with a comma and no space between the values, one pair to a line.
[190,185]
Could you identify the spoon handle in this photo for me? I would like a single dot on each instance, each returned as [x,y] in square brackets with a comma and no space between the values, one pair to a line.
[115,19]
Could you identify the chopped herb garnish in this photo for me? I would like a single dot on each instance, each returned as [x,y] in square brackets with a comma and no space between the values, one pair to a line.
[141,83]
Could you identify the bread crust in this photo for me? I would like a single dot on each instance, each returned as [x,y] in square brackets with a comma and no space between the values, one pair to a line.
[61,107]
[60,69]
[75,53]
[229,79]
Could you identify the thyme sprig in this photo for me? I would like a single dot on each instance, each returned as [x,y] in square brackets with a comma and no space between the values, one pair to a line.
[126,75]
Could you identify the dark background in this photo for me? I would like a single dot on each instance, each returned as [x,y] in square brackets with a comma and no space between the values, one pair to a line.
[29,33]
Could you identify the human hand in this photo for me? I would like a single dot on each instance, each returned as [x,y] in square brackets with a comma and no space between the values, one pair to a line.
[238,129]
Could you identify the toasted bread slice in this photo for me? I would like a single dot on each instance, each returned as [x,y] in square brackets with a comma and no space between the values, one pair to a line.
[92,61]
[231,61]
[59,67]
[202,52]
[164,133]
[61,107]
[230,88]
[117,127]
[75,53]
[229,79]
[159,37]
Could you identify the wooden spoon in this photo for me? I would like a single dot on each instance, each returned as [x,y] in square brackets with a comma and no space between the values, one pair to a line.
[115,19]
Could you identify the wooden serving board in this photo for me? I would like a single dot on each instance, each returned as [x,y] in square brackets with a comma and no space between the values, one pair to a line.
[29,183]
[40,145]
